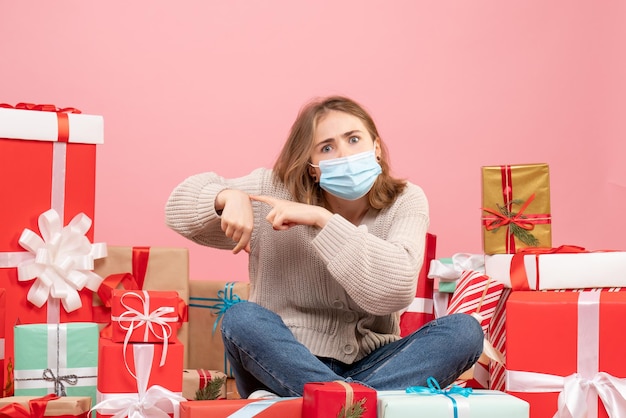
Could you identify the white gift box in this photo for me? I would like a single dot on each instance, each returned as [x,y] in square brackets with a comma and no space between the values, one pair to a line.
[563,270]
[479,404]
[38,125]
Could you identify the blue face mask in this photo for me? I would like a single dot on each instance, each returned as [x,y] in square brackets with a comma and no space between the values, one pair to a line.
[349,177]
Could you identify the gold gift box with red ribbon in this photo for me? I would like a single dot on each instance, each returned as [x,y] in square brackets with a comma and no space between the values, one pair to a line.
[515,208]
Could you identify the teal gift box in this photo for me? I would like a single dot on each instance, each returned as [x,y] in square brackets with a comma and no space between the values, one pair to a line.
[56,358]
[480,403]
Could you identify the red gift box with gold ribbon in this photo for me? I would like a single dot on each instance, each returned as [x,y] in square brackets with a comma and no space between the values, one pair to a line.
[333,399]
[564,352]
[516,208]
[47,163]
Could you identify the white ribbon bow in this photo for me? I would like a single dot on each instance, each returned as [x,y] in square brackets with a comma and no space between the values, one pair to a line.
[60,260]
[154,402]
[460,263]
[138,319]
[574,390]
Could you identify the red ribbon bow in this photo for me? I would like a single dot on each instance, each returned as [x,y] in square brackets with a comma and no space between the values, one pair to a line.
[41,107]
[519,219]
[62,119]
[37,409]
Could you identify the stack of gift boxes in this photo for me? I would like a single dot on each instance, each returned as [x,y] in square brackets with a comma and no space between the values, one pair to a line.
[142,336]
[90,329]
[58,353]
[555,324]
[47,167]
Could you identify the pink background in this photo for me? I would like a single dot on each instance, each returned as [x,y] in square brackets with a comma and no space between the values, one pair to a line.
[203,85]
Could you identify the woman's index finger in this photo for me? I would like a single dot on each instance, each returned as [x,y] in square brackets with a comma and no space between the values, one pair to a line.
[265,199]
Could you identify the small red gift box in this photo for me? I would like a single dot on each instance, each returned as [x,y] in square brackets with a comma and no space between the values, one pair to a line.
[117,364]
[258,408]
[145,316]
[133,374]
[328,399]
[563,346]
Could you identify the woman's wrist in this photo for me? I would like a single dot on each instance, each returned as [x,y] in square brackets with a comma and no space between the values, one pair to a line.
[323,217]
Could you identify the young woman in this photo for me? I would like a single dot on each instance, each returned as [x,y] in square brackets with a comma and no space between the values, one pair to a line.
[335,245]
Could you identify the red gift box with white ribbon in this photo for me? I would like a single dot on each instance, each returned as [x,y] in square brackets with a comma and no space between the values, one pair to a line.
[137,376]
[565,352]
[149,316]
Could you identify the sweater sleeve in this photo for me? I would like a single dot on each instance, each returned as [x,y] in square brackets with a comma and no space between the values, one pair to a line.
[378,269]
[190,208]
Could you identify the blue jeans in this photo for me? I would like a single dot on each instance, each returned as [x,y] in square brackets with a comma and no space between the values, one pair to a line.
[264,354]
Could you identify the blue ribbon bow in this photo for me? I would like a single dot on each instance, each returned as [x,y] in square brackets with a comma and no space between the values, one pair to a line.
[225,299]
[433,388]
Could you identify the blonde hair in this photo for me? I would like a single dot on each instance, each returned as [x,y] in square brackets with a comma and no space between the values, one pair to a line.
[292,166]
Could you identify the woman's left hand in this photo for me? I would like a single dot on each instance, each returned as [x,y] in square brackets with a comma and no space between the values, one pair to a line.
[285,213]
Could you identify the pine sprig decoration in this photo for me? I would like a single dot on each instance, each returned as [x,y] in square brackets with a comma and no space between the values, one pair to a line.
[211,391]
[520,233]
[524,236]
[356,410]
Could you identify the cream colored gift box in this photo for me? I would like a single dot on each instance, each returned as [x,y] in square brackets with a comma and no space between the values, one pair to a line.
[207,301]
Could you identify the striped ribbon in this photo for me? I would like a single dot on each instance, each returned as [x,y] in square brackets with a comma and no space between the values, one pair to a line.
[497,336]
[476,293]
